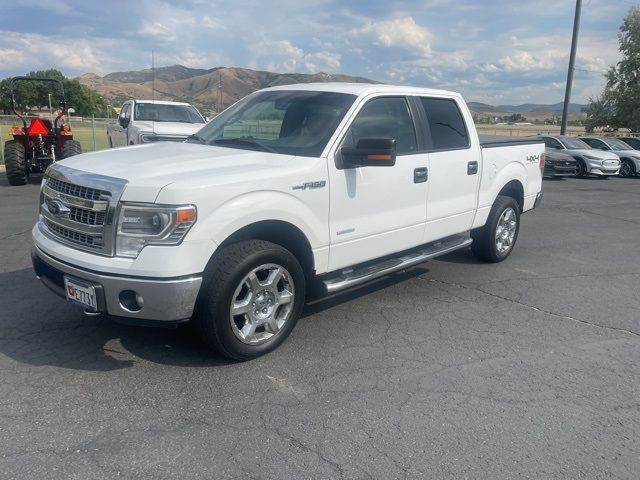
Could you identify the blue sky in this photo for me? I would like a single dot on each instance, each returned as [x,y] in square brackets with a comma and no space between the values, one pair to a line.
[498,52]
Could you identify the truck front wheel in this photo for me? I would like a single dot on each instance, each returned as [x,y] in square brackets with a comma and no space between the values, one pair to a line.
[495,241]
[251,298]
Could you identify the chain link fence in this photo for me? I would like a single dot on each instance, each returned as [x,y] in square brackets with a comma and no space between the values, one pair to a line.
[92,132]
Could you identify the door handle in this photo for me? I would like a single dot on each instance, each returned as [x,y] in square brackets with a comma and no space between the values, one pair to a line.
[420,175]
[472,168]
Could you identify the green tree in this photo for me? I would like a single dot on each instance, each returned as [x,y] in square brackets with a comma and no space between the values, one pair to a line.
[36,94]
[619,104]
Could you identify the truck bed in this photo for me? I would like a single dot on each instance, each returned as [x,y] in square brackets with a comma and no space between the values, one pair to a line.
[490,141]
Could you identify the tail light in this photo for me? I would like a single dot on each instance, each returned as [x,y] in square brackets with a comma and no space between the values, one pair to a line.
[542,160]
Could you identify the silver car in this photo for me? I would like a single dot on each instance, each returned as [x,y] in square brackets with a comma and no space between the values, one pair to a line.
[590,161]
[629,157]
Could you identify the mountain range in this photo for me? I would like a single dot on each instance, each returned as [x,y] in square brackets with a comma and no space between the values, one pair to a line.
[209,89]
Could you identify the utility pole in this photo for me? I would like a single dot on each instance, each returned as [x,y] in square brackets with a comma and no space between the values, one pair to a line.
[572,61]
[50,109]
[220,107]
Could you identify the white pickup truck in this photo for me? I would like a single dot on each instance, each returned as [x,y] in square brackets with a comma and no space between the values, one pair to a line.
[145,121]
[294,188]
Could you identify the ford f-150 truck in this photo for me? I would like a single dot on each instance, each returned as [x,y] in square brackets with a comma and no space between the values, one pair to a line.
[294,189]
[144,121]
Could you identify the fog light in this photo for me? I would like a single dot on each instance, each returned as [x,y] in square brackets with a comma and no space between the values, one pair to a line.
[131,301]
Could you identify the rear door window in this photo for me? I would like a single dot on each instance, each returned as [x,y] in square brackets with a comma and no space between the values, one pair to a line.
[446,124]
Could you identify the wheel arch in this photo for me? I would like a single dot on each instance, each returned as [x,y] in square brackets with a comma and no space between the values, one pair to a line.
[281,233]
[515,190]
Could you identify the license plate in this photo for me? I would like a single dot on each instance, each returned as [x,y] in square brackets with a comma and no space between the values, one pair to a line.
[81,293]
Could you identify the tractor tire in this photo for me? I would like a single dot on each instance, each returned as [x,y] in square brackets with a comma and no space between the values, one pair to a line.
[15,163]
[71,148]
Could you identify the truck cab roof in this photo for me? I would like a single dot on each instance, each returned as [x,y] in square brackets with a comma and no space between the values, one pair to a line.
[361,89]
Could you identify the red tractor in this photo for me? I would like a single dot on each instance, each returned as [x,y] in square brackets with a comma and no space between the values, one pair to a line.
[35,146]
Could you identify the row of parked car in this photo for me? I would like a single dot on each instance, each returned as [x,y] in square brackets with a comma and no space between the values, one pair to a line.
[590,155]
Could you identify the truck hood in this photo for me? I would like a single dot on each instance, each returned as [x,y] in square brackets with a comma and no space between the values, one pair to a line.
[169,128]
[149,167]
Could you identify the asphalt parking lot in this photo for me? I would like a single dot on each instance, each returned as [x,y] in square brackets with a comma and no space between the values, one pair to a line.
[456,369]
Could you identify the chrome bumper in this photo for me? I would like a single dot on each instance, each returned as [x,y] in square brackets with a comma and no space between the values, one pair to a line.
[165,300]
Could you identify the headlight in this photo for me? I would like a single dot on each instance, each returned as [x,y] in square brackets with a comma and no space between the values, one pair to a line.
[140,225]
[592,158]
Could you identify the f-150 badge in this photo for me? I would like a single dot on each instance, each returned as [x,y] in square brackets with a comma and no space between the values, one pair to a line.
[309,185]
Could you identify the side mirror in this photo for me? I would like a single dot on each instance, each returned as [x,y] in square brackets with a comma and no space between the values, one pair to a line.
[369,152]
[123,121]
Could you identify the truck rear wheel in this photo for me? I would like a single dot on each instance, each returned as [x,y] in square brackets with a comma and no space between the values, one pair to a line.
[495,241]
[15,163]
[71,148]
[251,298]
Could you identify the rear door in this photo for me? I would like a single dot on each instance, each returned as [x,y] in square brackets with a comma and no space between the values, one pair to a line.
[377,211]
[454,167]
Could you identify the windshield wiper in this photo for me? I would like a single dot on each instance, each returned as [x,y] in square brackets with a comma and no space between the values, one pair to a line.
[243,142]
[197,138]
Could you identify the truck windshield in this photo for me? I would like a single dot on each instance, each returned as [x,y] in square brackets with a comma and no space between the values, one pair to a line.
[292,122]
[159,112]
[574,144]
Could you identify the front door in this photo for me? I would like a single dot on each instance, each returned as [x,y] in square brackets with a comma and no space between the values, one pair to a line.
[378,210]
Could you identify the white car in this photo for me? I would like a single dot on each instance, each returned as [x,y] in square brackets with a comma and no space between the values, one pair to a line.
[629,157]
[589,160]
[146,121]
[317,187]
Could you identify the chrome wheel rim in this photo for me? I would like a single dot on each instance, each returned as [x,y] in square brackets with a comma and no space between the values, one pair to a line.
[262,304]
[506,231]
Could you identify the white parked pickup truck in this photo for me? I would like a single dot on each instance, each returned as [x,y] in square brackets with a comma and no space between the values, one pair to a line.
[316,187]
[145,121]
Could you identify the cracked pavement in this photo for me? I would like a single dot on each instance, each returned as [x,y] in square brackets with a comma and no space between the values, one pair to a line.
[454,369]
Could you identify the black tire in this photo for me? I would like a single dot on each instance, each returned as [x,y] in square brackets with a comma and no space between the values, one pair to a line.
[581,168]
[226,271]
[627,169]
[484,245]
[15,163]
[71,148]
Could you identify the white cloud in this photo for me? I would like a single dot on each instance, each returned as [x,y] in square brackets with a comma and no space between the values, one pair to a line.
[283,56]
[33,51]
[402,33]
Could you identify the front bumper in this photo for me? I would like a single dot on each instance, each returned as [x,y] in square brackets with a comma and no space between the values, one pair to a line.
[165,300]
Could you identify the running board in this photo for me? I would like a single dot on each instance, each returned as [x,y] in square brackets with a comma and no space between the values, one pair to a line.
[359,275]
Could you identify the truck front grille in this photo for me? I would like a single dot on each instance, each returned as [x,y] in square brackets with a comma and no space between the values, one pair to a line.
[75,190]
[78,208]
[86,216]
[83,239]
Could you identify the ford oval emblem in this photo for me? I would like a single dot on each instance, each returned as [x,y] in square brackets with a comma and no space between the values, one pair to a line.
[58,209]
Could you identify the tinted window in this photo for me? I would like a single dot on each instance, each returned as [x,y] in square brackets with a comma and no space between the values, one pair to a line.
[386,117]
[552,143]
[448,130]
[159,112]
[573,143]
[126,111]
[634,142]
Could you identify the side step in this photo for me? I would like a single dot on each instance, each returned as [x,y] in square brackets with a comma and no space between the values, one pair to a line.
[359,275]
